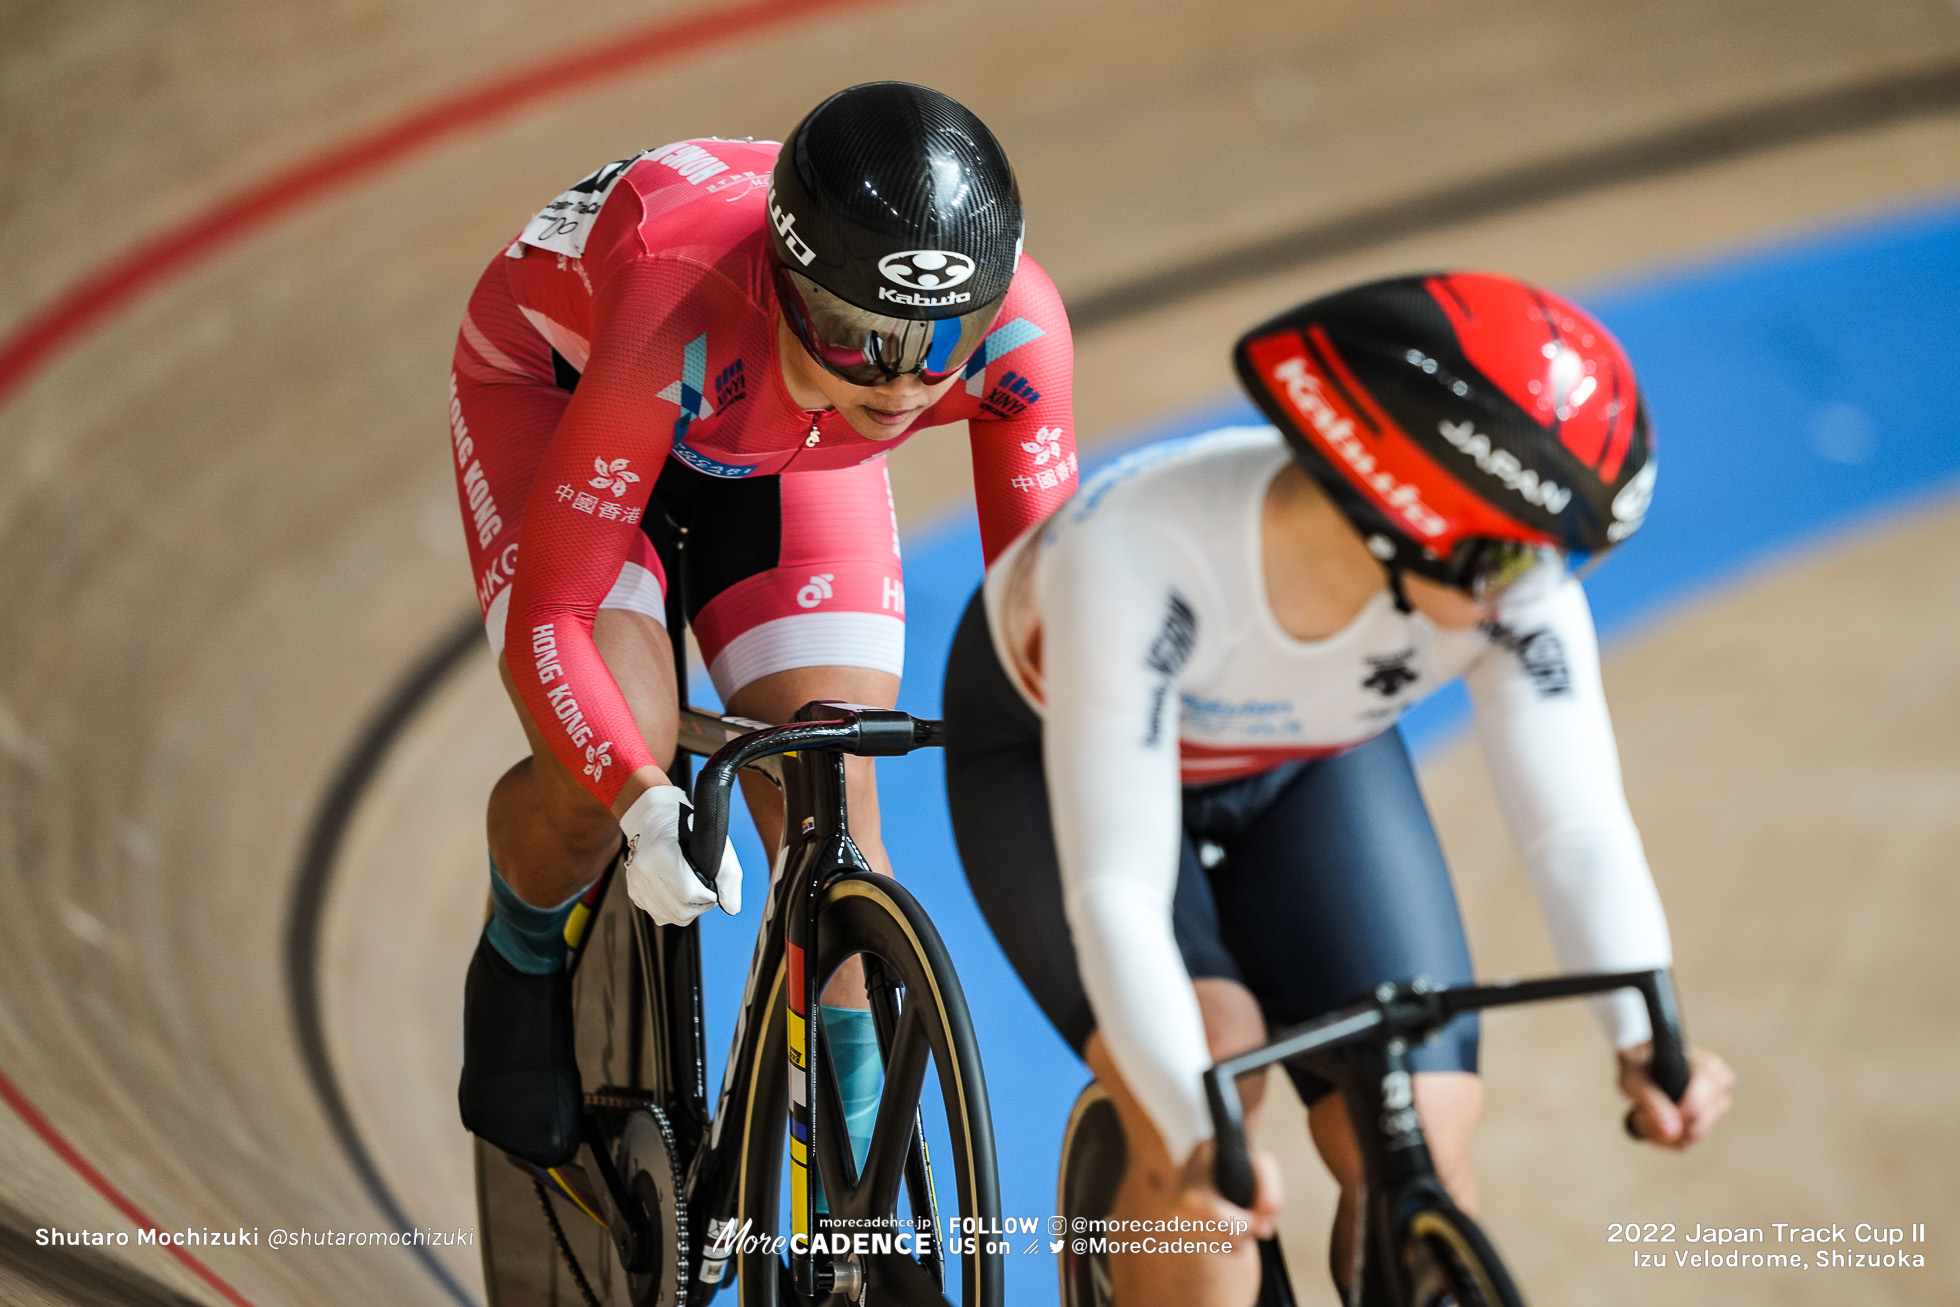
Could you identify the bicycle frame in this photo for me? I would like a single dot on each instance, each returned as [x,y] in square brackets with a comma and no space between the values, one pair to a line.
[1364,1050]
[805,759]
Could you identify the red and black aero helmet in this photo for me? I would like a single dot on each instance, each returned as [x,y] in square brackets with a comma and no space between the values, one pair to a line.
[897,228]
[1466,423]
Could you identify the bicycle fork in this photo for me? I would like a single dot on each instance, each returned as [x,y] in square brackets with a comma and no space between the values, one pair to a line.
[883,995]
[1378,1086]
[818,1273]
[823,775]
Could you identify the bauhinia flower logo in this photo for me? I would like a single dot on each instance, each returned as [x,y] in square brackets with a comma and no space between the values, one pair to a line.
[1047,444]
[612,476]
[597,759]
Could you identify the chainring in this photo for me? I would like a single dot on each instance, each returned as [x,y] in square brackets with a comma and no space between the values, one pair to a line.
[647,1171]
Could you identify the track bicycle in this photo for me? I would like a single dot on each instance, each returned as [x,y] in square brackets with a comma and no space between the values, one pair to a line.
[667,1203]
[1415,1247]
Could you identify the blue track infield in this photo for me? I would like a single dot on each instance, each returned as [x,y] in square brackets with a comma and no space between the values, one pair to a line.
[1798,392]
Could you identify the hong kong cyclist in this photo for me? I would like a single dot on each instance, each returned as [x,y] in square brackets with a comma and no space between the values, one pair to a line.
[1175,773]
[718,341]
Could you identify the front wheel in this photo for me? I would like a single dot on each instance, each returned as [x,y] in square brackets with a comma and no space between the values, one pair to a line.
[1093,1158]
[1448,1262]
[926,1039]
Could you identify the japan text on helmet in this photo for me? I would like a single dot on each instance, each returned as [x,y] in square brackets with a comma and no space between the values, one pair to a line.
[897,226]
[1466,423]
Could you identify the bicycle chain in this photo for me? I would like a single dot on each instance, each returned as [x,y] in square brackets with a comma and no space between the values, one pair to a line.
[619,1101]
[679,1253]
[564,1245]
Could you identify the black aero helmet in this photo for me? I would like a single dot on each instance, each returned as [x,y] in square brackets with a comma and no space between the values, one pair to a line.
[1468,424]
[897,224]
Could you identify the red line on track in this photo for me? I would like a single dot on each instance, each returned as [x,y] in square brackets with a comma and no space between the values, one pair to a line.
[55,1140]
[32,344]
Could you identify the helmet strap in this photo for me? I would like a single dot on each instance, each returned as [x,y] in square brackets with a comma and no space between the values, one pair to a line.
[1400,595]
[1385,552]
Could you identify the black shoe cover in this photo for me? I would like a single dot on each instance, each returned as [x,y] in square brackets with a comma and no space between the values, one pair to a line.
[520,1087]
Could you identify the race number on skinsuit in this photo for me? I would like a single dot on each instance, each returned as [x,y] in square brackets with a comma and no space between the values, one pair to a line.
[563,225]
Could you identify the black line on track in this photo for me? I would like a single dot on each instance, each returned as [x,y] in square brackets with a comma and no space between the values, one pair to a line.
[317,861]
[1788,121]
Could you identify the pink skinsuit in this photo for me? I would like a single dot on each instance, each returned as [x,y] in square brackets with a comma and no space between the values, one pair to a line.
[580,383]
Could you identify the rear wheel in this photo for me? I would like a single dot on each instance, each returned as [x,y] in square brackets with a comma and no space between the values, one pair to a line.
[932,1086]
[560,1254]
[1448,1262]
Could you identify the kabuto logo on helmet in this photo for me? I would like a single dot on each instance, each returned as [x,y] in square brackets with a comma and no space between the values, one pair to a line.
[918,301]
[1309,399]
[923,272]
[926,269]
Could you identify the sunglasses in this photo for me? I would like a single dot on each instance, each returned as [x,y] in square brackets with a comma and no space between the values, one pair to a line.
[1484,568]
[871,349]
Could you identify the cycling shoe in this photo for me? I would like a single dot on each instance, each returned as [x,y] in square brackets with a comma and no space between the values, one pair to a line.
[520,1085]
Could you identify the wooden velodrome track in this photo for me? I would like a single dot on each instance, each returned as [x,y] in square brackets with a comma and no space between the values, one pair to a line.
[230,536]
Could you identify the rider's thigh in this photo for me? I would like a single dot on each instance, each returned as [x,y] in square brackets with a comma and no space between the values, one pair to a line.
[775,698]
[795,591]
[640,657]
[791,573]
[548,835]
[637,653]
[1450,1104]
[1335,886]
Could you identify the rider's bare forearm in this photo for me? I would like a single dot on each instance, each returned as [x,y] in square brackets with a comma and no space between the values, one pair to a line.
[637,782]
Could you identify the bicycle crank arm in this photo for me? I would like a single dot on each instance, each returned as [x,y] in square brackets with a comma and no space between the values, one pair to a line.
[627,1225]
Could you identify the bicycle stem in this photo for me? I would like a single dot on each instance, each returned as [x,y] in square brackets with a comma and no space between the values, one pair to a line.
[863,732]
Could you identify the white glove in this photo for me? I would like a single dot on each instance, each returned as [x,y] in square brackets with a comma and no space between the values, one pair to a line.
[658,878]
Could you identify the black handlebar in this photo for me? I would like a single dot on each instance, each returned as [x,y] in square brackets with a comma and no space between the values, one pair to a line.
[1669,1069]
[1413,1010]
[845,728]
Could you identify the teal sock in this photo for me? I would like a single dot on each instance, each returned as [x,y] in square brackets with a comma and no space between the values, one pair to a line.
[532,939]
[851,1035]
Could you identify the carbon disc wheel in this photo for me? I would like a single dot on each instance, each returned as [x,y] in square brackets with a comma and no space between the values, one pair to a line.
[524,1262]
